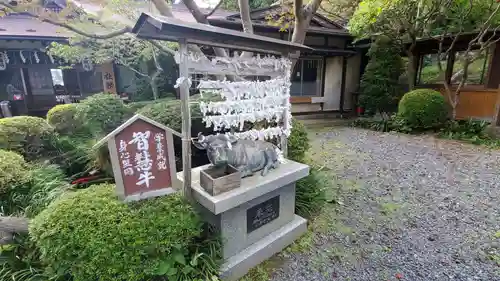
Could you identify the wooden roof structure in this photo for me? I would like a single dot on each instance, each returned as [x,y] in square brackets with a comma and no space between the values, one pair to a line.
[319,25]
[171,29]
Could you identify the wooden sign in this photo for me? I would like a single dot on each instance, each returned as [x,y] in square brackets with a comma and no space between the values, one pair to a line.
[142,156]
[108,78]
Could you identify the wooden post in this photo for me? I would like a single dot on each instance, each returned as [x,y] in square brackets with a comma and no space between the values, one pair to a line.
[186,118]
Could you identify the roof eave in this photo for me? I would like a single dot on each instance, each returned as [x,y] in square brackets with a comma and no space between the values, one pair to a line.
[310,30]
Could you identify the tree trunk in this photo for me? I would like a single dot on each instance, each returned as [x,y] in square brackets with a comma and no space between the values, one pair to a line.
[13,224]
[412,65]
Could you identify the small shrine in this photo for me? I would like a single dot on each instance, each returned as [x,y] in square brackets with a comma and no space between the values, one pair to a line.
[248,191]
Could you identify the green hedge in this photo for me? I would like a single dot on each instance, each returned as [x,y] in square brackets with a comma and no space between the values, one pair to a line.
[13,171]
[63,118]
[423,109]
[14,177]
[27,135]
[92,235]
[168,112]
[102,113]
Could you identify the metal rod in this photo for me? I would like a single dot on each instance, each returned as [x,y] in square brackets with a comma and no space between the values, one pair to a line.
[186,119]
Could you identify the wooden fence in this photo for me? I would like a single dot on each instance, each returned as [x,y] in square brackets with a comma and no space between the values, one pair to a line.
[477,102]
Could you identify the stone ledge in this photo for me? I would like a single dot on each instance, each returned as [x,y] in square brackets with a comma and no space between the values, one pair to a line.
[251,187]
[238,265]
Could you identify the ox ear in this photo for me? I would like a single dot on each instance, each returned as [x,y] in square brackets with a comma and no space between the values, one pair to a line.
[201,143]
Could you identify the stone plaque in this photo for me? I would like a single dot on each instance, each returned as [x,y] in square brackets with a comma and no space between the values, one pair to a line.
[263,213]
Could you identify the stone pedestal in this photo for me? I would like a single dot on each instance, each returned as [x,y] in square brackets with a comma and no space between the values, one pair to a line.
[255,220]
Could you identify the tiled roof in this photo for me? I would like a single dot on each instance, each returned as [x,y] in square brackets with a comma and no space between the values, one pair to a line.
[24,26]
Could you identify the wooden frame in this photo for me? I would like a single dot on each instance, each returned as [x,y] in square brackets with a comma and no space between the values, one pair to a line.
[117,173]
[163,28]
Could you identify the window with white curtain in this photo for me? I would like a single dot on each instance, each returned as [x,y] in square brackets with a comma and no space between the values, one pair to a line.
[307,77]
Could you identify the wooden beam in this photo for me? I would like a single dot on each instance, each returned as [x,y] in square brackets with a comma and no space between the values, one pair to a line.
[342,85]
[186,119]
[300,99]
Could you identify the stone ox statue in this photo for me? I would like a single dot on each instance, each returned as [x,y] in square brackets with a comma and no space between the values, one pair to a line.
[245,155]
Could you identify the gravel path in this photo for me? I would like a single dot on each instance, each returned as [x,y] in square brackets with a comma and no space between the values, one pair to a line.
[407,208]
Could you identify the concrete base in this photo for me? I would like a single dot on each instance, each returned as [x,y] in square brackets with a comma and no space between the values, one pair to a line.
[238,265]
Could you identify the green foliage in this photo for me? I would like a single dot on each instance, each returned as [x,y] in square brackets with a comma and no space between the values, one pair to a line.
[20,261]
[423,109]
[13,171]
[135,106]
[72,153]
[119,241]
[379,85]
[168,113]
[298,142]
[46,183]
[34,187]
[62,118]
[375,124]
[102,113]
[400,18]
[26,135]
[310,194]
[365,18]
[470,131]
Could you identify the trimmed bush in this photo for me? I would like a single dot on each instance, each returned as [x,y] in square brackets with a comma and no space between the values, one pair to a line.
[102,113]
[13,171]
[310,194]
[92,235]
[298,142]
[26,135]
[423,109]
[14,176]
[62,118]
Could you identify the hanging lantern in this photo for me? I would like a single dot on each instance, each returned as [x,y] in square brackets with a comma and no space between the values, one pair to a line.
[6,57]
[23,58]
[37,59]
[86,64]
[3,62]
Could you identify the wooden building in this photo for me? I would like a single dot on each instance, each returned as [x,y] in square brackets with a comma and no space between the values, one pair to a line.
[32,79]
[480,97]
[324,79]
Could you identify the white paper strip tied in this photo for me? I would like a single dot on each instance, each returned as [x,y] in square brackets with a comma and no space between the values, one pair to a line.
[221,122]
[262,134]
[278,64]
[234,91]
[243,106]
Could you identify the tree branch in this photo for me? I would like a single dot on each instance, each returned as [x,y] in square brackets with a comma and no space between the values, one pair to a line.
[71,28]
[297,8]
[330,13]
[163,8]
[195,11]
[201,18]
[14,224]
[213,10]
[312,7]
[162,48]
